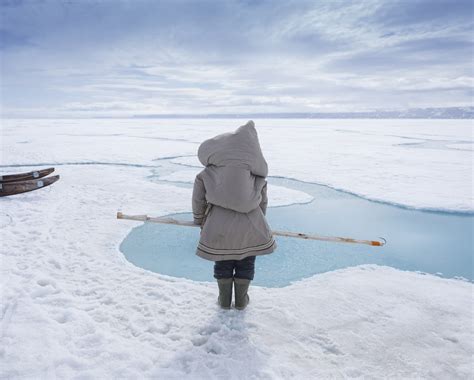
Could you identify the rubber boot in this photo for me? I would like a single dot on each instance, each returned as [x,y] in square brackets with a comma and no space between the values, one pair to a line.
[225,292]
[241,297]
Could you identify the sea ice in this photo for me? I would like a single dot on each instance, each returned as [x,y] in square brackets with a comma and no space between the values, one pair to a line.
[73,307]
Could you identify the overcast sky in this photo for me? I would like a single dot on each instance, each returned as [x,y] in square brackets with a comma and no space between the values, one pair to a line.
[113,57]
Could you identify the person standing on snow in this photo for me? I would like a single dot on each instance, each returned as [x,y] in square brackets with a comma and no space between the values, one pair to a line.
[229,202]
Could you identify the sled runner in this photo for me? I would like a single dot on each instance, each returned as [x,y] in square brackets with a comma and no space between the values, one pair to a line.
[336,239]
[37,174]
[18,187]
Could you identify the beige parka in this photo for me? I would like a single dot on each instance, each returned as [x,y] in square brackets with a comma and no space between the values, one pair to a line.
[230,197]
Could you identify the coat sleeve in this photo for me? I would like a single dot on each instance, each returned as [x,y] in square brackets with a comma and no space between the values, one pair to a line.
[264,202]
[199,200]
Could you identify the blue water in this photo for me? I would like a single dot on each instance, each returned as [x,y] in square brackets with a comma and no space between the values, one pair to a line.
[431,242]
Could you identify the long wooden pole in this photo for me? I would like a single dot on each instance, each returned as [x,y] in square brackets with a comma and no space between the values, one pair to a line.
[167,220]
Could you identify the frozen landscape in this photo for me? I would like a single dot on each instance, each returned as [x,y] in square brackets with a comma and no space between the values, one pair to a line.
[74,307]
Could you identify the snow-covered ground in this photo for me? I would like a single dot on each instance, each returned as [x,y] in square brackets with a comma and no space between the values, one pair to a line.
[73,307]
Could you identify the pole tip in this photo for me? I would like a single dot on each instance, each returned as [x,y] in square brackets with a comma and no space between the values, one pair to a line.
[119,215]
[379,243]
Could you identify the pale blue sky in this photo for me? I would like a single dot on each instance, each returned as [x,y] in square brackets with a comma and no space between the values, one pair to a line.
[112,57]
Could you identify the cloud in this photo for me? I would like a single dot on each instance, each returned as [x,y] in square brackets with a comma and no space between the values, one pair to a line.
[277,56]
[426,12]
[9,40]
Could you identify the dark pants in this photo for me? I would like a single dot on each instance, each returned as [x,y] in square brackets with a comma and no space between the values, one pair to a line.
[244,268]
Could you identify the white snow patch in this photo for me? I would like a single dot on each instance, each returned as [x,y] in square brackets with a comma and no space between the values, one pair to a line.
[462,146]
[184,176]
[366,158]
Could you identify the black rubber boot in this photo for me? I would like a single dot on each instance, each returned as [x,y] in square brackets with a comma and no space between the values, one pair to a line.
[241,297]
[225,292]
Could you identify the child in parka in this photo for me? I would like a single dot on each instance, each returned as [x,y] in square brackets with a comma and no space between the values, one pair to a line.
[229,202]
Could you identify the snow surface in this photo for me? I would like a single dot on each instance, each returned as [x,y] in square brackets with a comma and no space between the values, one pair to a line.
[73,307]
[411,163]
[376,159]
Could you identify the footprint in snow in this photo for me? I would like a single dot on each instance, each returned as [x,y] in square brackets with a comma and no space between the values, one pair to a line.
[451,339]
[55,263]
[46,282]
[326,344]
[199,340]
[22,266]
[43,292]
[47,287]
[213,347]
[5,220]
[63,317]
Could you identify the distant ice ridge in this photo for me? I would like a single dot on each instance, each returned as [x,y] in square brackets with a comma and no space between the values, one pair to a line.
[410,113]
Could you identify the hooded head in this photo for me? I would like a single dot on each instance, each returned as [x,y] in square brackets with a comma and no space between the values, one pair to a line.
[237,149]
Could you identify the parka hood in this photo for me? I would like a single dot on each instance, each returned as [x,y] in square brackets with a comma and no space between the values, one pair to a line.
[239,149]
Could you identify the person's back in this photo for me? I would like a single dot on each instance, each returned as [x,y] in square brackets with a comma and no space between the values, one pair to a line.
[229,202]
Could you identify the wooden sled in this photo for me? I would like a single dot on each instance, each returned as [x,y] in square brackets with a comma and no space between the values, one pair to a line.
[19,187]
[37,174]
